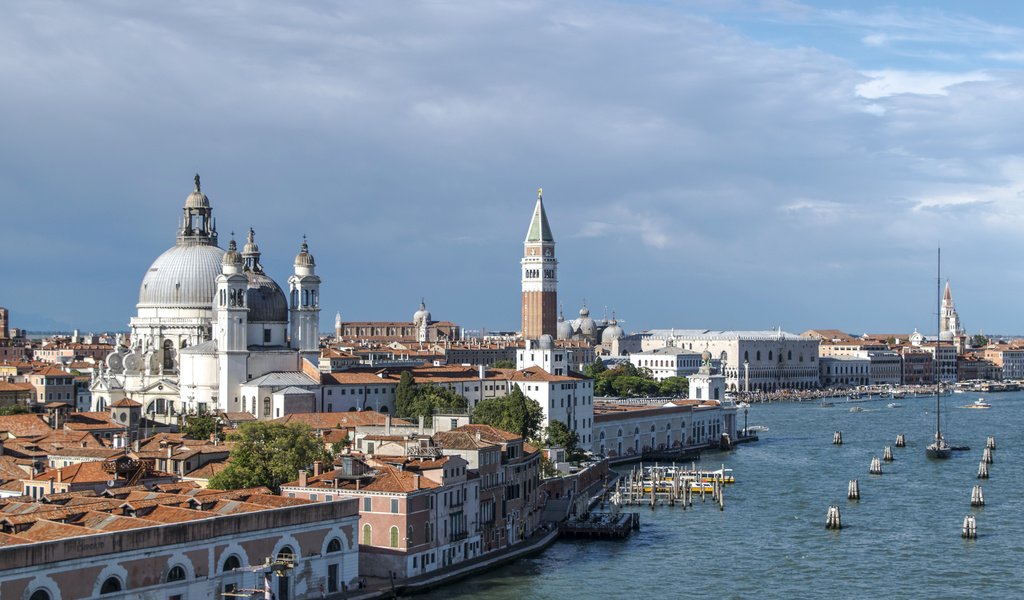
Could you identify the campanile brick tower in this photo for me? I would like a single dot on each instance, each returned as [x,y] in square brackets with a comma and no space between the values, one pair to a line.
[540,276]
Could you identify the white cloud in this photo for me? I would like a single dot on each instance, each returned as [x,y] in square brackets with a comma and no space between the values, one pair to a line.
[891,82]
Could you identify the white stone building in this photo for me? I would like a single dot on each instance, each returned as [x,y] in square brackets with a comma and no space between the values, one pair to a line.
[667,362]
[208,322]
[749,360]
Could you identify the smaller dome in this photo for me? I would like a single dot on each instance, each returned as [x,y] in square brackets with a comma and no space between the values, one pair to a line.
[422,314]
[545,342]
[946,336]
[197,199]
[304,258]
[250,244]
[612,332]
[232,257]
[564,330]
[587,327]
[265,300]
[584,312]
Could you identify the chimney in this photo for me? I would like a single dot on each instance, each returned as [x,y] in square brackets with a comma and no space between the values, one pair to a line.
[483,372]
[421,424]
[317,465]
[169,450]
[302,478]
[60,475]
[416,481]
[387,424]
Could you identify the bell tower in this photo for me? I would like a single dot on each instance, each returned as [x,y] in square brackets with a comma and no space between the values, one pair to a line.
[539,276]
[304,288]
[231,329]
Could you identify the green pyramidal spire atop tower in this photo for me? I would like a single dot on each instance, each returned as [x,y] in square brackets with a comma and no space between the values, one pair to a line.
[539,230]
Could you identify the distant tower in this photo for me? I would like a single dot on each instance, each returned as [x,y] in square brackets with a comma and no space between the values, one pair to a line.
[337,326]
[5,327]
[950,319]
[305,302]
[421,321]
[540,276]
[232,325]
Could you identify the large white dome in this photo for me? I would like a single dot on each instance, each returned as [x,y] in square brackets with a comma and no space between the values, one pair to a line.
[184,276]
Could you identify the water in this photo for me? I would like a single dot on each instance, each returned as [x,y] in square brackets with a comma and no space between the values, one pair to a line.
[902,539]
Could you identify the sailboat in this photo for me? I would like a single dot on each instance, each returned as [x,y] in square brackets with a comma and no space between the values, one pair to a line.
[938,449]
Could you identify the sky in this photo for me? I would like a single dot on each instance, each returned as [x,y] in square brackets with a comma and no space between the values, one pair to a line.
[733,164]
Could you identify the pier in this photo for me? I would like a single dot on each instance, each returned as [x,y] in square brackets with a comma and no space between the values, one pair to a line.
[671,485]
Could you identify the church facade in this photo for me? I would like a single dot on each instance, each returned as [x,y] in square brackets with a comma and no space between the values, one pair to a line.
[208,322]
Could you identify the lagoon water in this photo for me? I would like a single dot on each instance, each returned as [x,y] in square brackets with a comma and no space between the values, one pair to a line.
[902,539]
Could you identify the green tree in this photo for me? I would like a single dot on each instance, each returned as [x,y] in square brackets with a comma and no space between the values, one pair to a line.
[625,380]
[504,364]
[429,400]
[594,369]
[674,386]
[269,454]
[201,427]
[405,393]
[559,434]
[12,409]
[979,341]
[514,412]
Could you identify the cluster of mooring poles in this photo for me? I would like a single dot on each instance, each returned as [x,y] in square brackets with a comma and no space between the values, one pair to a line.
[970,526]
[832,519]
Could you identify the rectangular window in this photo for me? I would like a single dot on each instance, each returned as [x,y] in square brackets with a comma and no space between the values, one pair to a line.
[367,504]
[266,336]
[313,497]
[394,505]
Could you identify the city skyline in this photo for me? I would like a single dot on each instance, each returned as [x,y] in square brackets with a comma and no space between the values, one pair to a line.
[738,165]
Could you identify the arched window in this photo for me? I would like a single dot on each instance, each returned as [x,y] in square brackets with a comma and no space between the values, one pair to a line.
[408,535]
[177,573]
[789,355]
[620,432]
[393,537]
[111,585]
[231,563]
[384,409]
[284,552]
[769,355]
[334,545]
[367,535]
[168,355]
[40,595]
[758,355]
[652,428]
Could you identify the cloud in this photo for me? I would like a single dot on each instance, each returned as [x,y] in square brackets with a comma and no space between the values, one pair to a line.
[407,142]
[891,82]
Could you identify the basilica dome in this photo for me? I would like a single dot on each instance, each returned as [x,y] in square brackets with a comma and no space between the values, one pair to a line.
[185,276]
[612,332]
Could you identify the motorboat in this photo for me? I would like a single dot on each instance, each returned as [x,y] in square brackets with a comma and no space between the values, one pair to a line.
[894,405]
[856,409]
[979,403]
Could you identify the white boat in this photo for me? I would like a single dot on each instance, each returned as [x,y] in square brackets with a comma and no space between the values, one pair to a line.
[856,409]
[894,405]
[979,403]
[757,428]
